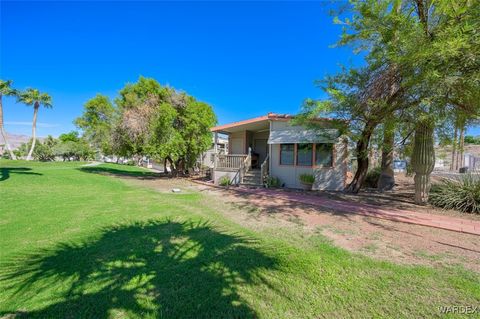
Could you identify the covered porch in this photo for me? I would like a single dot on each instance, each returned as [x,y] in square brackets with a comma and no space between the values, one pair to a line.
[248,151]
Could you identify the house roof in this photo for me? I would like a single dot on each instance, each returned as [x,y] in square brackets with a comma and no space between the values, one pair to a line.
[255,123]
[240,124]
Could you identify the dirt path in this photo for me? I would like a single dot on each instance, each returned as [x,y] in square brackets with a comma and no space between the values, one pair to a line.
[266,197]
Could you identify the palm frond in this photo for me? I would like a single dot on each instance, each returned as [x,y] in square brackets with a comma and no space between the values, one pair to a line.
[32,96]
[6,88]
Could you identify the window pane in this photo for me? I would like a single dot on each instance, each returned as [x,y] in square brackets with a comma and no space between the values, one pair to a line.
[323,154]
[287,154]
[304,154]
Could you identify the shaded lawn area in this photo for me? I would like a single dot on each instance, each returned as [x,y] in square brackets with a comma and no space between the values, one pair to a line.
[81,245]
[121,171]
[5,172]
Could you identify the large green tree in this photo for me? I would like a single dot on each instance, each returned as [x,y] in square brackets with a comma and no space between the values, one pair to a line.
[421,58]
[6,90]
[35,98]
[444,50]
[97,121]
[162,123]
[71,136]
[367,95]
[182,130]
[137,104]
[363,98]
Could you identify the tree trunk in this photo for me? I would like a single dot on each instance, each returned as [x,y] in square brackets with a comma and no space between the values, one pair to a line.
[371,157]
[34,129]
[172,166]
[454,148]
[386,180]
[461,145]
[4,134]
[179,166]
[423,160]
[362,158]
[138,159]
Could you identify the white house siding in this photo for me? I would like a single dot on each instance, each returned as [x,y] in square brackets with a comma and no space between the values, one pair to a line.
[237,143]
[325,178]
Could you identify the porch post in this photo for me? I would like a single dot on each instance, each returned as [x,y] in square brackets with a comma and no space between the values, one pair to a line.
[215,149]
[215,142]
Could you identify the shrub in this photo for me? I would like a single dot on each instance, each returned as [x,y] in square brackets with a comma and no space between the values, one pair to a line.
[224,181]
[307,178]
[373,175]
[462,195]
[6,155]
[272,181]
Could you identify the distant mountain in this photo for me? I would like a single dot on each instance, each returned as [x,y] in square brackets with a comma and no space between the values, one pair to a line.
[15,140]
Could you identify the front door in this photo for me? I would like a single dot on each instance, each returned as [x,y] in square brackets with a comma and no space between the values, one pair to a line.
[261,148]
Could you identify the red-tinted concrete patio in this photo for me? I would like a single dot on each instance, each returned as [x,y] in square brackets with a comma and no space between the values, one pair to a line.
[269,196]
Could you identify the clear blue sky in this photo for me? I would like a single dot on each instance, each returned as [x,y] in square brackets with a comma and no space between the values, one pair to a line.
[244,58]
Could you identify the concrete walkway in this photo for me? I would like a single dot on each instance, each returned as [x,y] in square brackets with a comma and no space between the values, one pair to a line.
[268,196]
[94,163]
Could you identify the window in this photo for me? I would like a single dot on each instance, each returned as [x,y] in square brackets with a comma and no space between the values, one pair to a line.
[304,154]
[287,154]
[324,155]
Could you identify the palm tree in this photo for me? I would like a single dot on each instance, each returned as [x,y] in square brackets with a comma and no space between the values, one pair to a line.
[36,98]
[6,89]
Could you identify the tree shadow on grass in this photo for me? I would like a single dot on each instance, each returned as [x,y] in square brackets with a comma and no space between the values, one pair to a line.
[156,269]
[5,172]
[121,172]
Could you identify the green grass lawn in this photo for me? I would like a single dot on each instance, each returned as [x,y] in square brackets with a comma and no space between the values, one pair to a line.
[78,244]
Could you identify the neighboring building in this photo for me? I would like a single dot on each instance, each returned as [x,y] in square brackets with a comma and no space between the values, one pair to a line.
[207,158]
[270,146]
[440,164]
[399,166]
[471,161]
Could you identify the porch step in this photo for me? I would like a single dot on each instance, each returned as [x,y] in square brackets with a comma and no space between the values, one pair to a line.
[253,173]
[252,178]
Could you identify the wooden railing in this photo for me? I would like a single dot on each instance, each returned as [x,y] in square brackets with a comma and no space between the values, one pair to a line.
[230,161]
[264,169]
[239,163]
[244,168]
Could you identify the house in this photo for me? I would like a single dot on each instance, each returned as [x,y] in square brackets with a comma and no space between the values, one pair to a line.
[271,145]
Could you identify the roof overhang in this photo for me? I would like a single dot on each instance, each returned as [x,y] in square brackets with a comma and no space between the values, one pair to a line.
[292,136]
[256,124]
